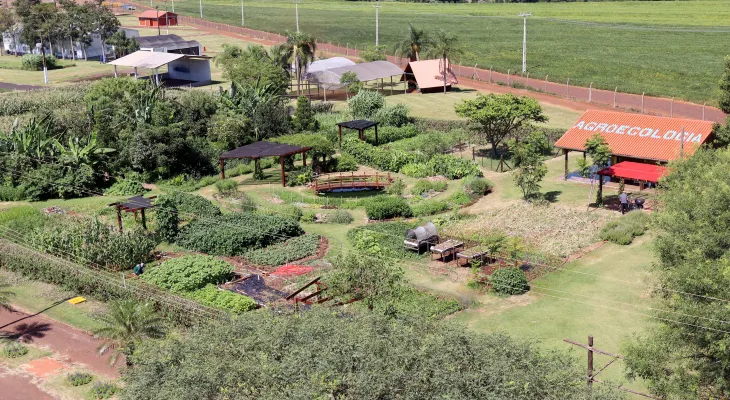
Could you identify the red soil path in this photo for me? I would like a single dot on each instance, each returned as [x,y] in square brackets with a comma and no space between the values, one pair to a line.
[18,387]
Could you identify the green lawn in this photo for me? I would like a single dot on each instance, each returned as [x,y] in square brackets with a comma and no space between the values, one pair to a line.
[672,49]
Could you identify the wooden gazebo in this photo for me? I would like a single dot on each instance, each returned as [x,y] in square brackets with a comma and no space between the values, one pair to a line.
[255,151]
[133,204]
[359,125]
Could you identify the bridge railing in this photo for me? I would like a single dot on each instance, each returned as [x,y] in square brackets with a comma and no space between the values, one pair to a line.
[352,181]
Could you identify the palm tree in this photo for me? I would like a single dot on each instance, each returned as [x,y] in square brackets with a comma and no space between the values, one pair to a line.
[300,48]
[5,295]
[125,325]
[444,46]
[412,46]
[279,56]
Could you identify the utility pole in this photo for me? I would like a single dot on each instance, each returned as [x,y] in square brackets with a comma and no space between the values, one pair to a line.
[524,41]
[173,5]
[158,19]
[242,20]
[296,8]
[201,9]
[377,30]
[167,20]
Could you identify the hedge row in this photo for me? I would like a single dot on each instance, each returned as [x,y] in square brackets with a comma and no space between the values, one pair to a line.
[388,134]
[387,207]
[99,285]
[291,250]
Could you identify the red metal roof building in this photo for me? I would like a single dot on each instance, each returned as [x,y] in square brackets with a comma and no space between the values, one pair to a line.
[643,139]
[428,75]
[157,18]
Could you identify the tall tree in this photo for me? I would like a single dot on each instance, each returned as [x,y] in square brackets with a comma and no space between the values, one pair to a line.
[686,356]
[531,172]
[364,277]
[122,45]
[126,325]
[413,44]
[599,151]
[444,46]
[252,64]
[103,22]
[301,48]
[7,20]
[500,115]
[725,87]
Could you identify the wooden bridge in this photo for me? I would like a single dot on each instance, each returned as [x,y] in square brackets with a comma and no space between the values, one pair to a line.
[351,181]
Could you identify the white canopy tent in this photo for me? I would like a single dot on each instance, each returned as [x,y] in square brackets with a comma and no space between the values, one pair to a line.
[145,59]
[329,63]
[329,79]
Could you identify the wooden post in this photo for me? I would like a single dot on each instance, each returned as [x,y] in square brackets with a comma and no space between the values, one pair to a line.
[590,361]
[376,134]
[340,135]
[565,152]
[119,218]
[283,175]
[376,179]
[599,201]
[223,168]
[144,220]
[584,155]
[304,159]
[391,85]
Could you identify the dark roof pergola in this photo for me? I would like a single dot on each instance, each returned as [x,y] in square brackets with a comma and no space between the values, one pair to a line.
[133,204]
[257,150]
[359,125]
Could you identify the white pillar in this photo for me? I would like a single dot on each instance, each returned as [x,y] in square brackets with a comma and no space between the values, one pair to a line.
[115,72]
[135,73]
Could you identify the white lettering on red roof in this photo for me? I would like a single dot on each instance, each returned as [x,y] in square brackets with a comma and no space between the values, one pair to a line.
[642,131]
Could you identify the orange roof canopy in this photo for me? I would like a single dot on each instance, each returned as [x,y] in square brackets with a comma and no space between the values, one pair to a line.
[638,136]
[430,73]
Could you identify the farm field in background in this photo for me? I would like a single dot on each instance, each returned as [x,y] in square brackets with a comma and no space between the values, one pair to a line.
[669,49]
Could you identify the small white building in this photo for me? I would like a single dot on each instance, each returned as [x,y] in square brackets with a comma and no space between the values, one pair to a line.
[182,69]
[61,49]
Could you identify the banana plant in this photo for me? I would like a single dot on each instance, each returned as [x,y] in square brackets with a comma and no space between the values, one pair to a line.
[146,105]
[80,152]
[34,140]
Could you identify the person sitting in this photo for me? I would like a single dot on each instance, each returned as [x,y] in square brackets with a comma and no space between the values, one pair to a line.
[624,199]
[138,269]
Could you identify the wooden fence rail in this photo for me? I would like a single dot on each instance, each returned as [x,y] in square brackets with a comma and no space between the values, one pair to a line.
[352,181]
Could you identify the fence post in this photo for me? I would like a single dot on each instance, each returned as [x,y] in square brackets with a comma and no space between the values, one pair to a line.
[527,80]
[703,111]
[590,92]
[642,102]
[671,108]
[567,87]
[614,96]
[475,72]
[508,71]
[490,74]
[124,280]
[546,76]
[347,49]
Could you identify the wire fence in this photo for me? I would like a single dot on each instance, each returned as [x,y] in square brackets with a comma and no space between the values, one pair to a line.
[607,98]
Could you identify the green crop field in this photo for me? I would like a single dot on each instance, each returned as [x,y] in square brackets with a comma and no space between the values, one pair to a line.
[670,49]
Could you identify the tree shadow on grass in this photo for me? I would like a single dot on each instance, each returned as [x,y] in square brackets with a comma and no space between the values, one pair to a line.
[552,196]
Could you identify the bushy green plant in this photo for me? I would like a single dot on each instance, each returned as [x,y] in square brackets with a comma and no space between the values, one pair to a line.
[211,296]
[103,390]
[452,167]
[385,237]
[429,207]
[191,204]
[226,186]
[245,203]
[338,217]
[460,199]
[79,378]
[424,185]
[304,116]
[366,103]
[509,281]
[299,177]
[377,157]
[168,219]
[309,216]
[428,144]
[393,115]
[477,186]
[22,219]
[90,241]
[293,249]
[289,211]
[34,62]
[237,233]
[320,107]
[623,230]
[346,163]
[125,187]
[584,167]
[386,207]
[14,350]
[396,188]
[415,170]
[189,273]
[10,193]
[388,134]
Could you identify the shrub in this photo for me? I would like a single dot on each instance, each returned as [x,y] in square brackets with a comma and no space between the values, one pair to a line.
[237,233]
[395,115]
[125,187]
[384,239]
[584,167]
[289,211]
[452,167]
[386,207]
[304,116]
[211,296]
[282,253]
[509,281]
[460,199]
[191,204]
[477,186]
[9,193]
[308,216]
[389,134]
[427,144]
[396,188]
[14,350]
[226,186]
[376,157]
[346,163]
[338,217]
[623,230]
[245,203]
[366,103]
[103,390]
[430,207]
[423,186]
[299,177]
[167,218]
[79,379]
[34,62]
[320,107]
[189,273]
[414,170]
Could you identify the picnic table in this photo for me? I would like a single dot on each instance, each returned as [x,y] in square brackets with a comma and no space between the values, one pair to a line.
[472,253]
[447,248]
